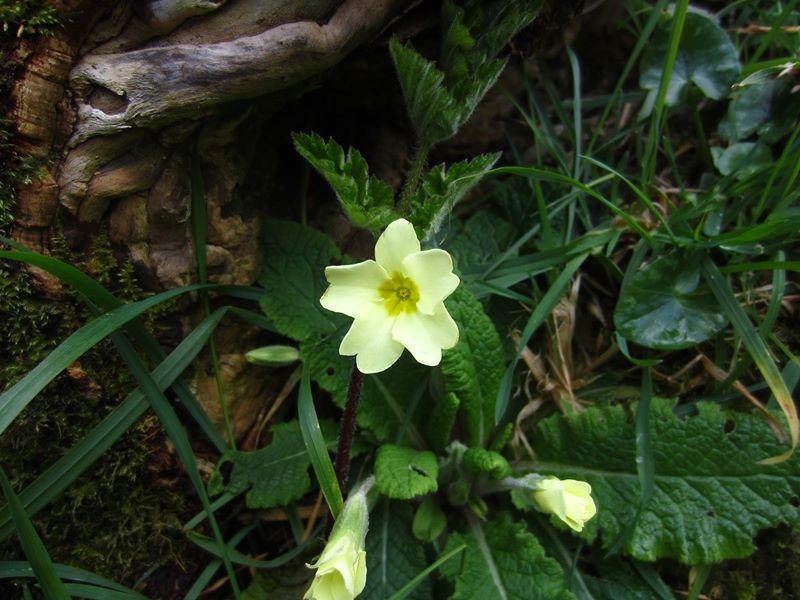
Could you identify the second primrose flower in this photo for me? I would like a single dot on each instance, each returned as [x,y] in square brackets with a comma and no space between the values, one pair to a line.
[397,301]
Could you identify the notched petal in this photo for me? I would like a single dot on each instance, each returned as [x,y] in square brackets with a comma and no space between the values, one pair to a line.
[395,243]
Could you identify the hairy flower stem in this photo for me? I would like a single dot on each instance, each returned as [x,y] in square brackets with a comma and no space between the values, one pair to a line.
[347,429]
[413,179]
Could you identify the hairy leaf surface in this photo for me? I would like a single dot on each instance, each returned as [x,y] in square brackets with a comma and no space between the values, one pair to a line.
[474,368]
[503,561]
[710,496]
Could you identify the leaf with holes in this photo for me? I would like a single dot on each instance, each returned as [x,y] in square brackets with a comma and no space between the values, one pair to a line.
[711,497]
[666,306]
[706,57]
[503,561]
[405,473]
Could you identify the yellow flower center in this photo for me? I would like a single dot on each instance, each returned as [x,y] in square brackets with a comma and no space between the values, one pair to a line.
[400,295]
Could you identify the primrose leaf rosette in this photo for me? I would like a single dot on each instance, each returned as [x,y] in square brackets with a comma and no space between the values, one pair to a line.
[397,301]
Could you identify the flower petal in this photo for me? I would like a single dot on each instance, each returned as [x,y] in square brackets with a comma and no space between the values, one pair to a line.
[426,335]
[395,243]
[370,339]
[351,286]
[432,271]
[361,572]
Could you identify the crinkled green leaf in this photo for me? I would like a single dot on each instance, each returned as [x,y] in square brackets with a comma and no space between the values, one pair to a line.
[666,306]
[743,159]
[387,397]
[474,368]
[367,200]
[433,111]
[477,30]
[503,561]
[329,369]
[442,188]
[706,57]
[484,237]
[440,422]
[274,475]
[394,556]
[405,473]
[710,496]
[293,277]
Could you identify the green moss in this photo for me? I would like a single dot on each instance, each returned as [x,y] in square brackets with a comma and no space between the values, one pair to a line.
[769,573]
[123,515]
[27,17]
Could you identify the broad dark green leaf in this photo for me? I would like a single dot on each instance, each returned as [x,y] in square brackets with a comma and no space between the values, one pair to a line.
[666,306]
[742,159]
[706,57]
[394,556]
[768,109]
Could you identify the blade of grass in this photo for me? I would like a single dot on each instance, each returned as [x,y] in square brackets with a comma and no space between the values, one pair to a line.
[779,167]
[174,429]
[96,293]
[773,30]
[701,573]
[21,568]
[650,576]
[577,110]
[758,351]
[538,316]
[205,577]
[32,546]
[778,291]
[645,462]
[91,592]
[633,60]
[657,117]
[639,194]
[559,178]
[420,577]
[75,462]
[315,445]
[215,506]
[16,398]
[200,227]
[209,546]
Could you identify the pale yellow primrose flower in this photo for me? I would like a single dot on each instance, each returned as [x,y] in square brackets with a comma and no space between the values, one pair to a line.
[397,301]
[342,566]
[568,499]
